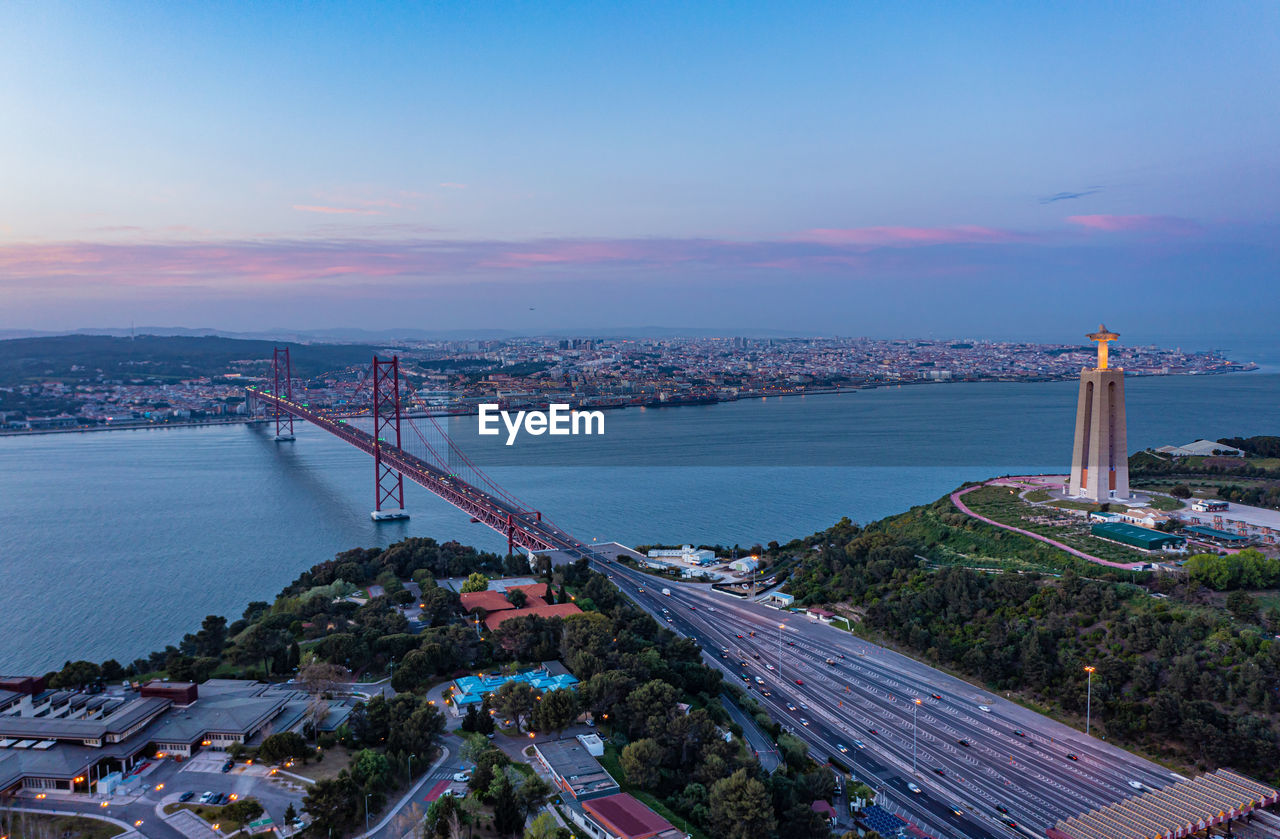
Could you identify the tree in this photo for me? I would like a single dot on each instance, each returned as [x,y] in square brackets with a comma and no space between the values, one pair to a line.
[515,700]
[516,597]
[641,761]
[532,795]
[282,746]
[556,711]
[243,811]
[1180,491]
[257,644]
[370,770]
[334,803]
[543,827]
[76,674]
[475,582]
[507,816]
[740,808]
[320,677]
[415,671]
[442,816]
[1242,607]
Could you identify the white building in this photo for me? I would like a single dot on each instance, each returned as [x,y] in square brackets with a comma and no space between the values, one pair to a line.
[685,554]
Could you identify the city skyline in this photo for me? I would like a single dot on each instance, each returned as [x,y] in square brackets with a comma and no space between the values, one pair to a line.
[973,170]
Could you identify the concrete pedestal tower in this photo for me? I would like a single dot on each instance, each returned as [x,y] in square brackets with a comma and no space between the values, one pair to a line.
[1100,459]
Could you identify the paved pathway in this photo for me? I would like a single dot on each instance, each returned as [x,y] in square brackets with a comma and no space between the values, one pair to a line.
[962,507]
[404,817]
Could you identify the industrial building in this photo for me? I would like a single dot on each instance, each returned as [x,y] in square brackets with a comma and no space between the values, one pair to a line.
[1138,537]
[70,740]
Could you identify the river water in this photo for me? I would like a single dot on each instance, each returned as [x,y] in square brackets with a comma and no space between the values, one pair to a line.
[113,544]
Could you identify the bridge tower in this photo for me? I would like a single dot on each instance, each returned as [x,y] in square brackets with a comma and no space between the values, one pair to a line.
[282,373]
[388,481]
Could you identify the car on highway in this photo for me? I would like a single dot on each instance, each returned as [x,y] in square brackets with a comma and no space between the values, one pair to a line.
[746,678]
[873,731]
[768,667]
[759,681]
[915,789]
[957,809]
[940,771]
[724,653]
[1137,785]
[963,742]
[765,692]
[1010,822]
[1071,756]
[803,707]
[790,707]
[1001,809]
[842,747]
[984,709]
[1019,732]
[804,722]
[859,744]
[800,682]
[937,696]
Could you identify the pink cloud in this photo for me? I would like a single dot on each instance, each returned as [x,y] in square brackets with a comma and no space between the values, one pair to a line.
[1171,225]
[452,185]
[343,211]
[909,236]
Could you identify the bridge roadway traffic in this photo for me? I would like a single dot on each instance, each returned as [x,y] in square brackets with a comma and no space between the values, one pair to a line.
[969,789]
[871,689]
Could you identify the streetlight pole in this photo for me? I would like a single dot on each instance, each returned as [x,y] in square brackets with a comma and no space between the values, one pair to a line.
[366,811]
[1088,702]
[915,732]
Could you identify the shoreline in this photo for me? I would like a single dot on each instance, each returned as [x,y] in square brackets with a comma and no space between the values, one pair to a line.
[654,405]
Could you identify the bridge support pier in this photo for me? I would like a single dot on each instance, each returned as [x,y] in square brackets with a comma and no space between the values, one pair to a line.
[388,482]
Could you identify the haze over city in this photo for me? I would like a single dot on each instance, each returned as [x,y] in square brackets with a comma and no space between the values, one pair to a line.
[955,169]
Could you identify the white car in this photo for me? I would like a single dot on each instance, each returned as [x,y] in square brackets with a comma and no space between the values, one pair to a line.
[1136,785]
[914,789]
[984,709]
[462,777]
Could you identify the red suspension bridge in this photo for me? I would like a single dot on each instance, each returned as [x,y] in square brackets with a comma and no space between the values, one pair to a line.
[437,466]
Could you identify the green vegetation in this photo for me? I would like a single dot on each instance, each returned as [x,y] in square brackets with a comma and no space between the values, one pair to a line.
[1192,684]
[75,358]
[39,826]
[1003,505]
[1246,569]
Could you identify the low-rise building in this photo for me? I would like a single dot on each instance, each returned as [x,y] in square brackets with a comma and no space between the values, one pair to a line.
[574,770]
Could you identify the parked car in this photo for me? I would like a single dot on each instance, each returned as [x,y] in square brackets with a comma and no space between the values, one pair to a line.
[462,776]
[186,796]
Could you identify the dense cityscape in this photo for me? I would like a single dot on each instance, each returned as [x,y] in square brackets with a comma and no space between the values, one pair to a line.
[455,376]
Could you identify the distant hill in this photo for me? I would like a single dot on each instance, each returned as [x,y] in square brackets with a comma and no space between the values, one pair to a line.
[166,357]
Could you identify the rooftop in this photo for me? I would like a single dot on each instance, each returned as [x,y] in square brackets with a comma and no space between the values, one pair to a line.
[575,769]
[627,818]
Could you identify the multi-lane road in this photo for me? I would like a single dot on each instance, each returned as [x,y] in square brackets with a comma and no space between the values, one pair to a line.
[1000,772]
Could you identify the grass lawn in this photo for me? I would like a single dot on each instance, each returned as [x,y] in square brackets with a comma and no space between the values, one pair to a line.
[33,826]
[213,815]
[999,504]
[1037,495]
[335,760]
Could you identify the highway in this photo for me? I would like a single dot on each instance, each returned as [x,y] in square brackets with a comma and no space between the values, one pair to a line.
[970,789]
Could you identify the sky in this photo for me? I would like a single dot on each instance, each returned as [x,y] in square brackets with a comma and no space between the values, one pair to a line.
[886,169]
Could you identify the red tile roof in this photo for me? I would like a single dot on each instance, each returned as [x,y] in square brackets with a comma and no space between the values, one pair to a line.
[536,593]
[626,817]
[490,601]
[559,610]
